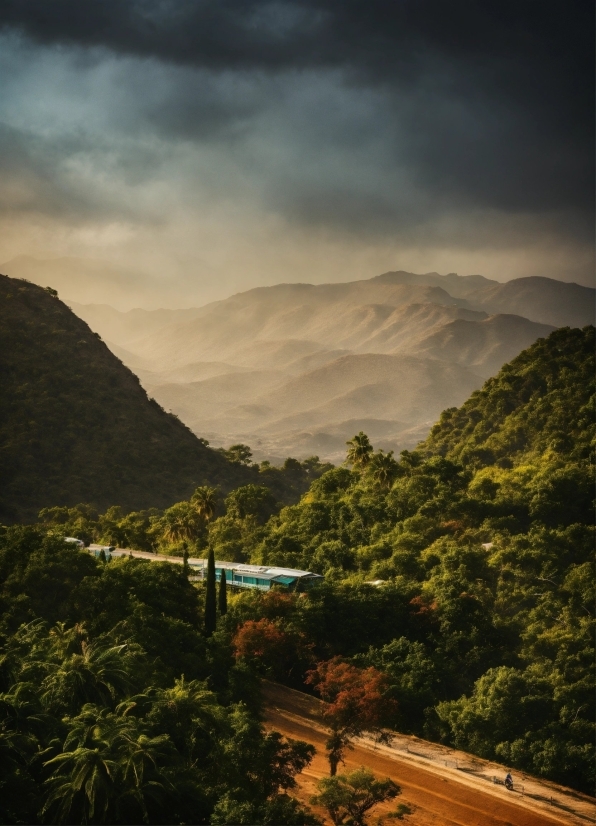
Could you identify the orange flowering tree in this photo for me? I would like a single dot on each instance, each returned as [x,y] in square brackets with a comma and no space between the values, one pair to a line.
[272,649]
[356,702]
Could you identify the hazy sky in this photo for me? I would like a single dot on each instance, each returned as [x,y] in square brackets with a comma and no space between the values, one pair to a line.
[220,144]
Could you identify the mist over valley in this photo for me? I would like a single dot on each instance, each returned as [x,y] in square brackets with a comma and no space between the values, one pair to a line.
[297,369]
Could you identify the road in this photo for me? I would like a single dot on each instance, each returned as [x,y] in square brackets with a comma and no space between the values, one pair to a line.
[443,787]
[199,563]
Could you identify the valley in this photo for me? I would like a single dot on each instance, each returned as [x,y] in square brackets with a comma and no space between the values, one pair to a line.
[297,369]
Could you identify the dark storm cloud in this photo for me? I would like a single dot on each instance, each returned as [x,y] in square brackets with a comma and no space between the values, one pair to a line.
[504,91]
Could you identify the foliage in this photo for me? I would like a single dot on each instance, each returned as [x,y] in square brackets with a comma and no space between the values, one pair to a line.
[97,723]
[349,797]
[463,575]
[241,454]
[99,436]
[355,703]
[359,450]
[481,548]
[526,407]
[210,597]
[279,651]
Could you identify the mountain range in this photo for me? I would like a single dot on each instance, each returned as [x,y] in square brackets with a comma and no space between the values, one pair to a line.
[297,369]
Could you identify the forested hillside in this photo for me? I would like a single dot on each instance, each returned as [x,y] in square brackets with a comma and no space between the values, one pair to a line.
[458,581]
[480,548]
[543,400]
[76,425]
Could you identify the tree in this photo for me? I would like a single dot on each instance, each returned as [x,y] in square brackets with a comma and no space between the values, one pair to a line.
[359,451]
[248,501]
[276,650]
[210,596]
[110,770]
[239,454]
[97,674]
[261,641]
[204,500]
[181,523]
[383,468]
[356,703]
[85,777]
[348,797]
[222,596]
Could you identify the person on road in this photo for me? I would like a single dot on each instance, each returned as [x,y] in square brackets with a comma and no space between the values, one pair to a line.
[508,781]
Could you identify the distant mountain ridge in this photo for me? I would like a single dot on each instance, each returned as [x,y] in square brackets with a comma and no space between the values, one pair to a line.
[230,368]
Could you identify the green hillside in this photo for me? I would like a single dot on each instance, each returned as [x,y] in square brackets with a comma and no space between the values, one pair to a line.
[464,571]
[75,424]
[542,400]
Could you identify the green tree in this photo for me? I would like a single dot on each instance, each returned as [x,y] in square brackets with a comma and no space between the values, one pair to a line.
[222,595]
[240,454]
[359,450]
[383,469]
[83,778]
[204,500]
[349,797]
[181,523]
[210,596]
[254,501]
[97,673]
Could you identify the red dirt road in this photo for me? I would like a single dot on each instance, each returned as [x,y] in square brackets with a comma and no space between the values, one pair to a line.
[438,794]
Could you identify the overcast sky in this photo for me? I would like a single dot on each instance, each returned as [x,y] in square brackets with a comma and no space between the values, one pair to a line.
[216,145]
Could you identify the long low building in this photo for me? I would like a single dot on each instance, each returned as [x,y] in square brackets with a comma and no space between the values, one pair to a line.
[258,576]
[238,575]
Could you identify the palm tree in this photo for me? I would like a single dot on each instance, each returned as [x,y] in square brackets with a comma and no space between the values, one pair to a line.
[181,523]
[97,674]
[84,778]
[204,500]
[359,450]
[189,713]
[383,468]
[140,760]
[109,762]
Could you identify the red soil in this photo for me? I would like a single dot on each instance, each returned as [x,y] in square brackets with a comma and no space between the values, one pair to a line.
[438,794]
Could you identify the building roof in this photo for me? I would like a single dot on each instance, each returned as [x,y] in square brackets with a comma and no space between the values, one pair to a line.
[265,571]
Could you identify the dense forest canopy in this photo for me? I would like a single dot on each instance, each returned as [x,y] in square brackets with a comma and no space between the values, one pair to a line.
[462,572]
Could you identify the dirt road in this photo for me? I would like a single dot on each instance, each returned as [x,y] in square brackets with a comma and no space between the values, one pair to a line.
[442,787]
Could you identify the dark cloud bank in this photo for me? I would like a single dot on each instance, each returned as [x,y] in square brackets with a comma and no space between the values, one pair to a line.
[530,62]
[488,105]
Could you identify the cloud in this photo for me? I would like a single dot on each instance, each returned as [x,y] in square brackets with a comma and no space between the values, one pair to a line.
[406,126]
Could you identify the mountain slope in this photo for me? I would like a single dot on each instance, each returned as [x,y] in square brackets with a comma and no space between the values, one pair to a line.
[483,346]
[318,410]
[468,322]
[543,399]
[75,424]
[539,299]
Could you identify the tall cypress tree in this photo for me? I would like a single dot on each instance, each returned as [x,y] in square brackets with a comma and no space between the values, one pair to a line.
[210,597]
[222,595]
